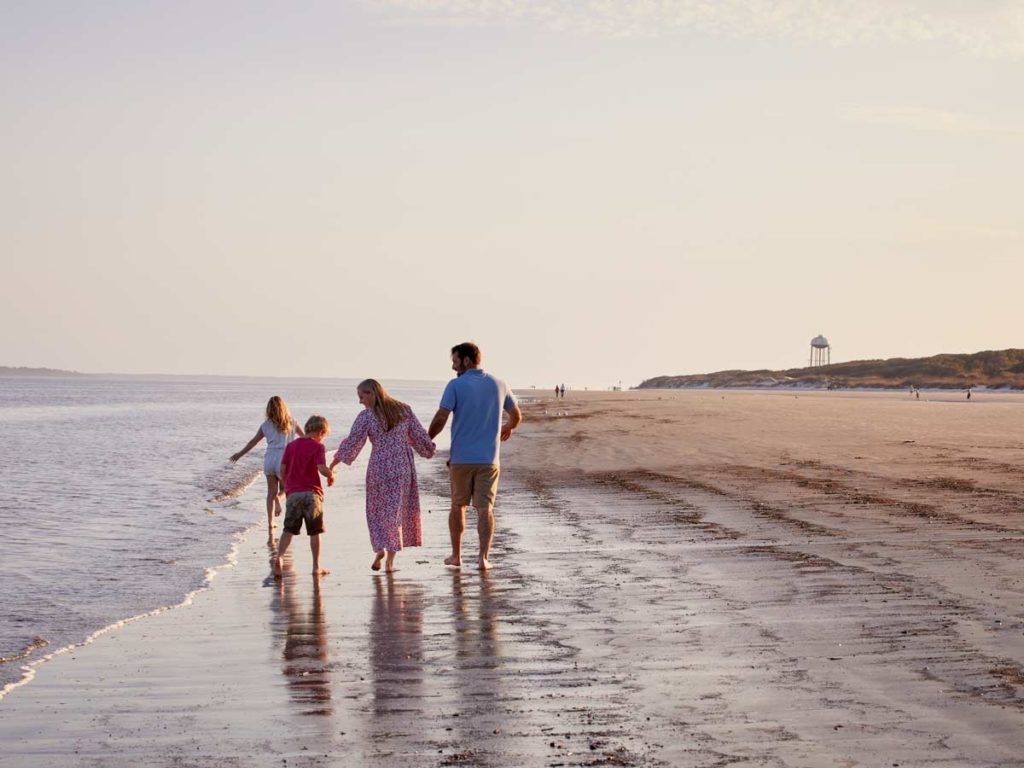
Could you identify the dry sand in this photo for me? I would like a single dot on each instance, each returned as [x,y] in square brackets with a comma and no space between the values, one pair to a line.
[682,578]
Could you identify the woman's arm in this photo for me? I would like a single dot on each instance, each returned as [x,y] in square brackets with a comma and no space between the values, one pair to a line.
[248,446]
[418,437]
[298,429]
[353,444]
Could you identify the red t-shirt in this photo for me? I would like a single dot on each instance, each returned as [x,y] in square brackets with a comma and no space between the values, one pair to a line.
[301,458]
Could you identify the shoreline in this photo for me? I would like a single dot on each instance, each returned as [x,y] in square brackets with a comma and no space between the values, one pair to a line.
[31,669]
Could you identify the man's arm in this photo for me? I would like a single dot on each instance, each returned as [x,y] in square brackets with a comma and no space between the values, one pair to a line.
[515,416]
[438,422]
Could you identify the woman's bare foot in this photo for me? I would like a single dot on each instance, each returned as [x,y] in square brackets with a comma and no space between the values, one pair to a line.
[389,566]
[320,571]
[452,560]
[375,565]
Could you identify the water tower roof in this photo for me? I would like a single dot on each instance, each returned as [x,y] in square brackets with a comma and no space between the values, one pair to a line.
[819,342]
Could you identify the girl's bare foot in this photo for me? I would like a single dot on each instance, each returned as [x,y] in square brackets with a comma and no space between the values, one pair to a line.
[375,566]
[452,560]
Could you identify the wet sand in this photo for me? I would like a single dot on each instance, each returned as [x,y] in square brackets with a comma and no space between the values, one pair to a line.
[682,579]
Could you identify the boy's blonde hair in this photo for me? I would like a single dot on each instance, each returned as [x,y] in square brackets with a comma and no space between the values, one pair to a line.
[317,424]
[279,415]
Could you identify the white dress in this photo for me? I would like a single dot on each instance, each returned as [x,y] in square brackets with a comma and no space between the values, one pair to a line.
[276,443]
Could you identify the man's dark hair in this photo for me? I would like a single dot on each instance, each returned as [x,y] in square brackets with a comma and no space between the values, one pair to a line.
[467,349]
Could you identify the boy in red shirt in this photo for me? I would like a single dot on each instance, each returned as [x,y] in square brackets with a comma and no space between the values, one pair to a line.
[303,462]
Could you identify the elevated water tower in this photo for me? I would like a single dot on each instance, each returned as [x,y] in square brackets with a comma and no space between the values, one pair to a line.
[821,351]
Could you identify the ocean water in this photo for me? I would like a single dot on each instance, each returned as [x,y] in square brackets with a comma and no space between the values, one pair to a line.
[117,497]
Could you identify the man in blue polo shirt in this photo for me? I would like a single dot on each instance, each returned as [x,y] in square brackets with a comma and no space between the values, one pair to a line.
[477,399]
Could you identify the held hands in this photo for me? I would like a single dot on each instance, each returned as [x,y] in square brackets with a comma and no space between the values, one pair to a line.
[330,476]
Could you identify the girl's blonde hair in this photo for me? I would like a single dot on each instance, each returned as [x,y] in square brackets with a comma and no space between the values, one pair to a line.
[388,410]
[279,415]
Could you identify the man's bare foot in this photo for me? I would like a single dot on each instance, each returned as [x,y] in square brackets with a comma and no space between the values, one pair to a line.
[320,572]
[452,560]
[375,565]
[277,568]
[483,564]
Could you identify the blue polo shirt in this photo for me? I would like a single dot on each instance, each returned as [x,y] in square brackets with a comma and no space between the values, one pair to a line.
[476,400]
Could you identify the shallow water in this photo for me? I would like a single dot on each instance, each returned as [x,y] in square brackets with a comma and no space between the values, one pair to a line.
[118,496]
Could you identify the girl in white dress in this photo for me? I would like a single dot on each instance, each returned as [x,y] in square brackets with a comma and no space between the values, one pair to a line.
[279,429]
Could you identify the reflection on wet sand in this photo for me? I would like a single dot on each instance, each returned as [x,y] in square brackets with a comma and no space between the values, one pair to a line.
[476,639]
[481,693]
[395,635]
[304,651]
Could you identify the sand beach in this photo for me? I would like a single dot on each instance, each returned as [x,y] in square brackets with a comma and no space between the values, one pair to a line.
[682,578]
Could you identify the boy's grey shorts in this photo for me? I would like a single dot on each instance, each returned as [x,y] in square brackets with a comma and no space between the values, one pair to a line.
[307,507]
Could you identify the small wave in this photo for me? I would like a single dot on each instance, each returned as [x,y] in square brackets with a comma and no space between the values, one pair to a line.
[29,670]
[35,645]
[228,483]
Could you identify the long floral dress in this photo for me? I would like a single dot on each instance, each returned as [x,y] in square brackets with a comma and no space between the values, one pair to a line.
[392,493]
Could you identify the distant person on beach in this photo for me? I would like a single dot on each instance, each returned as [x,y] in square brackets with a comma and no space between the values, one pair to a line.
[556,390]
[563,391]
[392,493]
[477,400]
[278,429]
[968,394]
[303,462]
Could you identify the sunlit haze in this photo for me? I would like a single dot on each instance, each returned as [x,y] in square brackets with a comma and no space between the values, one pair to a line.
[594,192]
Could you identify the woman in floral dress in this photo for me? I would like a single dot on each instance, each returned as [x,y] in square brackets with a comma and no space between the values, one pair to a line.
[392,494]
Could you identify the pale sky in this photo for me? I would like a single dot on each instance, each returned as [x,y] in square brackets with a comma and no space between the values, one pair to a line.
[593,191]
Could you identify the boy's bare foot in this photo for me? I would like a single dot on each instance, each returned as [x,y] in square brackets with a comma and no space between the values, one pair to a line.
[452,560]
[277,567]
[320,571]
[375,565]
[483,564]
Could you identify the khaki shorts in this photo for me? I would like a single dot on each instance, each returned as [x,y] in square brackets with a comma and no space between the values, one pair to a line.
[307,507]
[474,482]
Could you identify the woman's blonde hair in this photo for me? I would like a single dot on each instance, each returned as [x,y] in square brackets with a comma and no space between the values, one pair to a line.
[388,410]
[279,415]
